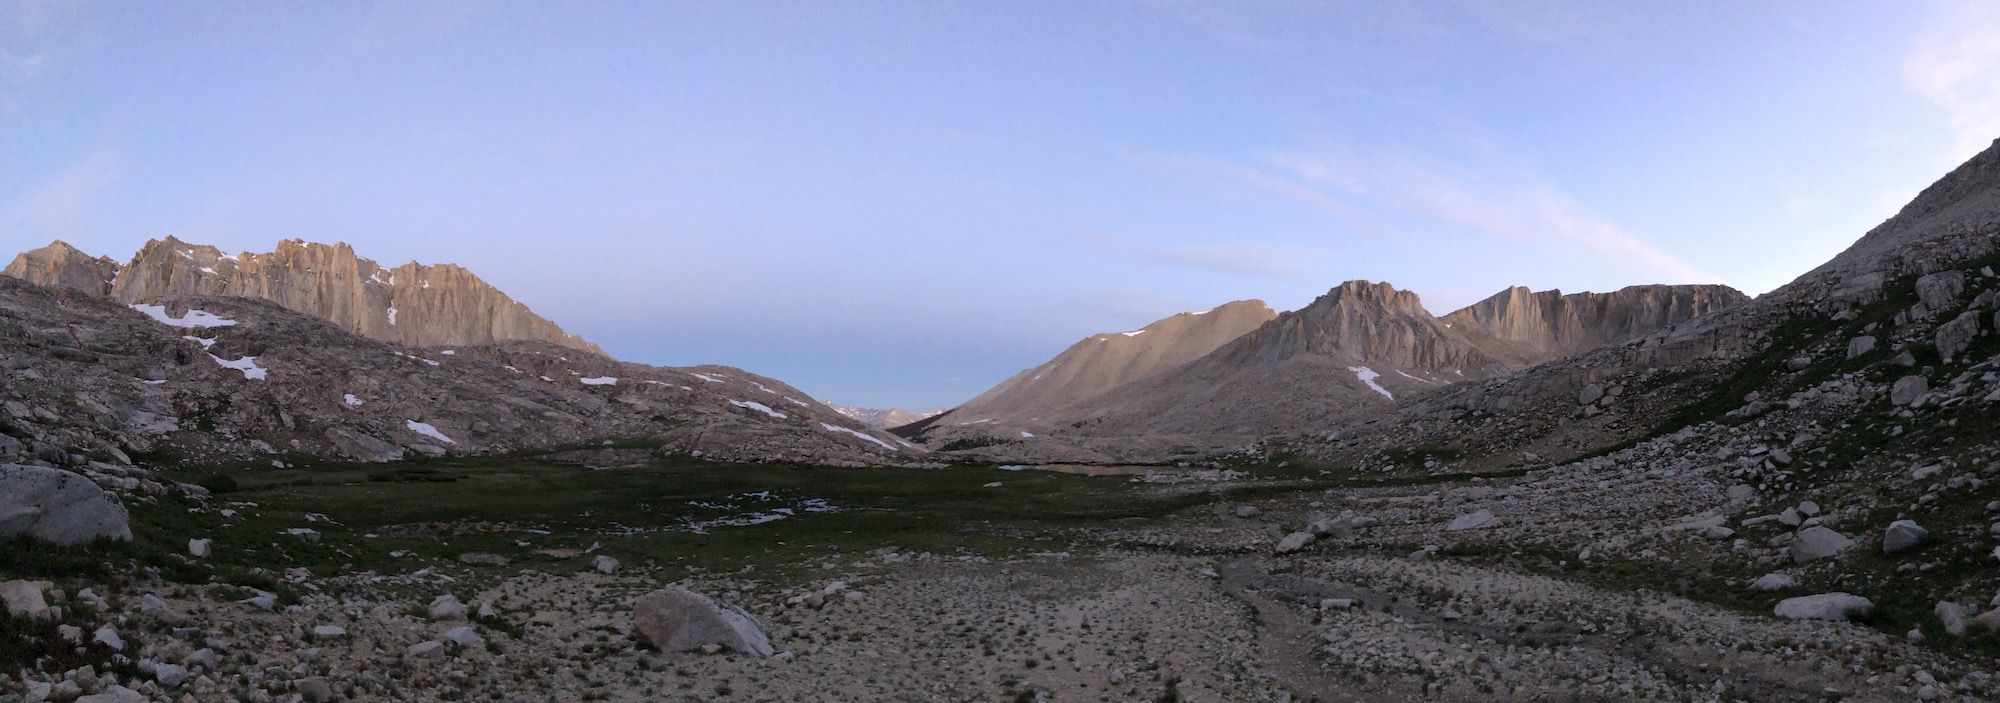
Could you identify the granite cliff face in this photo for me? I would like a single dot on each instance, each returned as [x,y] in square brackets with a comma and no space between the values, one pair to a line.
[412,304]
[1531,327]
[60,265]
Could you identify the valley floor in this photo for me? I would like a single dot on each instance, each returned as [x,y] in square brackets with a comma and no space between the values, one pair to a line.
[1588,583]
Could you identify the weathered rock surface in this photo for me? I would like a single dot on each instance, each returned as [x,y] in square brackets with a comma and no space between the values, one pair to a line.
[1817,542]
[1824,606]
[680,620]
[413,304]
[58,506]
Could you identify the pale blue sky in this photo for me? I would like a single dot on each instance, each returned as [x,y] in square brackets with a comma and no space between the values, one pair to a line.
[893,203]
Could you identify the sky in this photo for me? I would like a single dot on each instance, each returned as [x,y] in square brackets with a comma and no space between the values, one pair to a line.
[903,203]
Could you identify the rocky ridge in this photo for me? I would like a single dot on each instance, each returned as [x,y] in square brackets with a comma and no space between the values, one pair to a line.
[412,304]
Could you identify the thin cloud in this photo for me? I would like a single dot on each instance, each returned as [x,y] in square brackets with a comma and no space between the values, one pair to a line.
[61,206]
[1237,258]
[1956,66]
[1505,206]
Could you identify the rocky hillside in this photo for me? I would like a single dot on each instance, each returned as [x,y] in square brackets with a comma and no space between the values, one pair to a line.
[1103,362]
[214,378]
[1354,353]
[412,304]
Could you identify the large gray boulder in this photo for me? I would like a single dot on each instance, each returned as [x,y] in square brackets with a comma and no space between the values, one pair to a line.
[1816,542]
[58,506]
[1939,290]
[1824,606]
[1860,345]
[1908,389]
[679,620]
[1954,337]
[1903,536]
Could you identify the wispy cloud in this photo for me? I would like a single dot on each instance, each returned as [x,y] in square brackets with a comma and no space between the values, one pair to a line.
[1956,66]
[60,207]
[1499,204]
[1238,258]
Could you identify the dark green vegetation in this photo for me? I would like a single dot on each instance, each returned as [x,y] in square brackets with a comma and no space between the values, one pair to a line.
[400,518]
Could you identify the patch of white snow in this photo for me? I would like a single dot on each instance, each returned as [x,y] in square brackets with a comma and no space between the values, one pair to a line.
[427,430]
[1368,376]
[759,407]
[248,365]
[830,427]
[194,319]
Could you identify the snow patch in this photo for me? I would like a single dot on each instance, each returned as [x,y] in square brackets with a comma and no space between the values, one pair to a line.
[706,377]
[427,430]
[830,427]
[1368,376]
[194,319]
[1399,372]
[449,352]
[1027,435]
[248,365]
[600,381]
[205,343]
[352,401]
[759,407]
[392,315]
[1133,333]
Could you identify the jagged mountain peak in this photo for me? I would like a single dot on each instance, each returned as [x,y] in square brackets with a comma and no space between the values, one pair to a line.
[414,303]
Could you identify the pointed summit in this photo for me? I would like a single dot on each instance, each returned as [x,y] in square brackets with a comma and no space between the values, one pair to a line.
[60,265]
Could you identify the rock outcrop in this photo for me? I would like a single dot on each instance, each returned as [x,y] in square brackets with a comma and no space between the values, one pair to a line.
[412,304]
[60,265]
[58,506]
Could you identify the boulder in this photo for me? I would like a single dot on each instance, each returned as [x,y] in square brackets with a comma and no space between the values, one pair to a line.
[1952,616]
[1247,511]
[1818,542]
[1824,606]
[1954,337]
[1939,290]
[24,598]
[482,559]
[1860,345]
[604,564]
[199,548]
[315,690]
[463,636]
[170,675]
[1589,394]
[1774,581]
[1903,536]
[680,620]
[58,506]
[429,649]
[1472,521]
[1908,389]
[447,607]
[1294,542]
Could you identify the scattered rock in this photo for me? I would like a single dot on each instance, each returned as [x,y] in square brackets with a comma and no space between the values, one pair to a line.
[1908,389]
[604,564]
[1472,521]
[1294,542]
